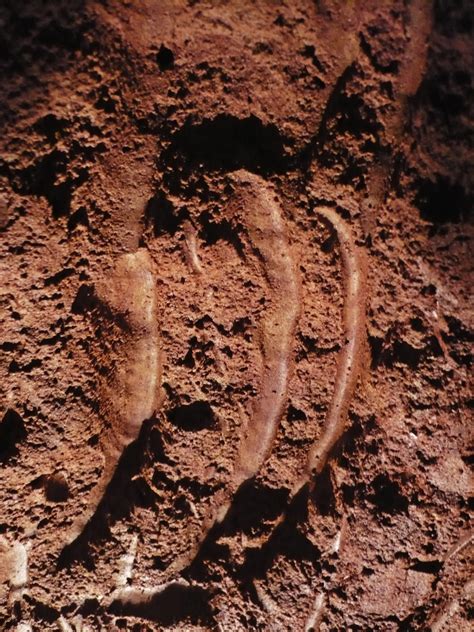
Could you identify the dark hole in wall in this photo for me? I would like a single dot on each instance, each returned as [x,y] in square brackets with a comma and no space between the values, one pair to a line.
[443,201]
[254,503]
[227,142]
[295,414]
[56,488]
[213,231]
[387,496]
[196,416]
[80,217]
[45,613]
[162,216]
[423,566]
[12,432]
[165,58]
[51,126]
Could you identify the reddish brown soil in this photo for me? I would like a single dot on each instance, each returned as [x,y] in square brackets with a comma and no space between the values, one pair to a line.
[122,126]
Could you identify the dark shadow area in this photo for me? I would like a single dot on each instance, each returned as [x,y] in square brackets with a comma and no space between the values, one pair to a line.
[225,143]
[44,612]
[432,567]
[285,540]
[165,58]
[40,42]
[441,201]
[125,491]
[323,495]
[213,231]
[195,416]
[387,496]
[89,304]
[47,178]
[41,33]
[12,432]
[252,505]
[389,351]
[161,215]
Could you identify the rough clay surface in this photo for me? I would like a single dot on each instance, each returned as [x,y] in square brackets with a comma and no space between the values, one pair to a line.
[123,124]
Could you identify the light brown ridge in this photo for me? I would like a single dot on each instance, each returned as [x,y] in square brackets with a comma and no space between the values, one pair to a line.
[255,204]
[350,356]
[130,395]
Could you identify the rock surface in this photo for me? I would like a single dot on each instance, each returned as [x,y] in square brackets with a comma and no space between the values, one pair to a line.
[124,128]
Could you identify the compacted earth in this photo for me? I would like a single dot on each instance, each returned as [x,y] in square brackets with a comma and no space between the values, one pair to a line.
[236,330]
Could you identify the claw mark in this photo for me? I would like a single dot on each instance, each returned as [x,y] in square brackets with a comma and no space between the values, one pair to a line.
[77,624]
[460,545]
[14,565]
[19,571]
[63,625]
[411,74]
[339,539]
[14,569]
[125,594]
[126,564]
[191,247]
[443,614]
[413,65]
[254,203]
[134,596]
[266,601]
[349,360]
[347,374]
[314,620]
[130,394]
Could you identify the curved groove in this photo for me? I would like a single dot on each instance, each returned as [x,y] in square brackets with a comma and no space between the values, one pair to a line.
[167,604]
[267,235]
[130,395]
[460,545]
[350,356]
[349,361]
[256,205]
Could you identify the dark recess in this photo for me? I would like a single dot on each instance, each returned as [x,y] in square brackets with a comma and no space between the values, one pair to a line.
[56,488]
[443,201]
[226,143]
[162,215]
[196,416]
[213,231]
[387,496]
[12,431]
[165,58]
[253,504]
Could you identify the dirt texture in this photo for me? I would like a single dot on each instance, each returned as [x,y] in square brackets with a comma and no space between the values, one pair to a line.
[236,328]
